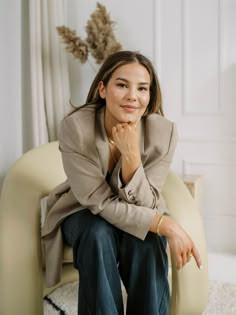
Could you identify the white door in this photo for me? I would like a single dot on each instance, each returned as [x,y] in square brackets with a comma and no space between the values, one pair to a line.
[196,56]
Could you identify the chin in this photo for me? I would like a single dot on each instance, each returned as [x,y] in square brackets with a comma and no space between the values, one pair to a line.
[129,119]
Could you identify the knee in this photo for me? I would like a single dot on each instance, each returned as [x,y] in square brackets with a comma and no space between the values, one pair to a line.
[98,243]
[99,233]
[145,247]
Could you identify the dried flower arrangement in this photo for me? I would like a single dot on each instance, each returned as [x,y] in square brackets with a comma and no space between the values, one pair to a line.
[100,41]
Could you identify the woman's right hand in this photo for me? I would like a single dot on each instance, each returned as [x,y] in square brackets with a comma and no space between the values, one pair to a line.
[180,242]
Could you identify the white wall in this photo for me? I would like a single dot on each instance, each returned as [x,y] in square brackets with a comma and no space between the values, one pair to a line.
[10,85]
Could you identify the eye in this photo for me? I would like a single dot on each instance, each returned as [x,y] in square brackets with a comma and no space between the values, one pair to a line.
[143,88]
[122,85]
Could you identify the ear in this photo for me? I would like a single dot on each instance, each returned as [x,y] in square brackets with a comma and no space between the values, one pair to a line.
[102,89]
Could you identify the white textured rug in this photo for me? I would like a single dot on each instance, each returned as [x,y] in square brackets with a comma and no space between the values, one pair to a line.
[222,300]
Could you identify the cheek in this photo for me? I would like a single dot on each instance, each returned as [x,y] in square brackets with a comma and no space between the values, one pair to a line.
[114,95]
[145,100]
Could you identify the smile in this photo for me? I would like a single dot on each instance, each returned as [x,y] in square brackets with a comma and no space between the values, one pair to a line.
[129,108]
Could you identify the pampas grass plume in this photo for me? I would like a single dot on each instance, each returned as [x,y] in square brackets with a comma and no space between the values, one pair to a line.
[100,41]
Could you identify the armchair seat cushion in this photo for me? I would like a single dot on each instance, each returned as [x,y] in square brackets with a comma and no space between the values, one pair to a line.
[67,254]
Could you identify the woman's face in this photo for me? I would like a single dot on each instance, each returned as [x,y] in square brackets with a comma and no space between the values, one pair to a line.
[127,94]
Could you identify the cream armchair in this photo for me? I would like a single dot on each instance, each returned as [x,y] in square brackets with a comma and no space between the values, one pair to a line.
[22,286]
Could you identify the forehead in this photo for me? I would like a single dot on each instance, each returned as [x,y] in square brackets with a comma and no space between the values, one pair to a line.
[132,72]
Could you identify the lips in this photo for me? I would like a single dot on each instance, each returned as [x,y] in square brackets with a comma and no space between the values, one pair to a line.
[129,107]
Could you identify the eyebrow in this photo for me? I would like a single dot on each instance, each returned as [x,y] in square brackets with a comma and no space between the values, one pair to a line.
[125,80]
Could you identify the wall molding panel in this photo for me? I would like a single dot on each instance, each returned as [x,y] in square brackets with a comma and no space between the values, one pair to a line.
[201,97]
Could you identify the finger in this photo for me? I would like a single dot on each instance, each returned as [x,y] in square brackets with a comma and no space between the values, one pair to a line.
[184,258]
[179,262]
[113,130]
[134,124]
[127,126]
[189,256]
[119,127]
[197,257]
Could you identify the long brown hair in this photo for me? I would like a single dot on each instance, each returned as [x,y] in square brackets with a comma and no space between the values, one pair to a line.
[119,59]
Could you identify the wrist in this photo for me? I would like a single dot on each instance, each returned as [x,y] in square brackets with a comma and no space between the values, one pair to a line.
[161,219]
[167,227]
[162,225]
[128,168]
[131,157]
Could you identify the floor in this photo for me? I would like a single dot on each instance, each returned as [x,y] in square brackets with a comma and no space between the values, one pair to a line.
[222,267]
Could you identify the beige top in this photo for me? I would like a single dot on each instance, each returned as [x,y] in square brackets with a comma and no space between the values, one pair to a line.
[85,153]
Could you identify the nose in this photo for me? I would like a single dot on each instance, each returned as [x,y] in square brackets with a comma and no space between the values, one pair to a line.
[131,96]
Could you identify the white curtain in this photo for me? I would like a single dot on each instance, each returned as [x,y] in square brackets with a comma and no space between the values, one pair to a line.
[48,70]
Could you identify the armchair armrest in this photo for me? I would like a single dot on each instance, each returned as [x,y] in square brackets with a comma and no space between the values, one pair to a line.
[33,176]
[190,285]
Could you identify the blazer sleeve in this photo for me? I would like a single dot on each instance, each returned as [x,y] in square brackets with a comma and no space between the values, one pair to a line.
[90,188]
[145,187]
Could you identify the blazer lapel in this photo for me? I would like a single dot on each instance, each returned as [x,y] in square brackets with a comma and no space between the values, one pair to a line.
[101,139]
[142,133]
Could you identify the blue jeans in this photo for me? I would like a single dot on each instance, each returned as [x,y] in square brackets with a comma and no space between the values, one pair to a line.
[104,254]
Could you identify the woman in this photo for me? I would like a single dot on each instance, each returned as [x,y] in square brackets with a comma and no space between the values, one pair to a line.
[116,152]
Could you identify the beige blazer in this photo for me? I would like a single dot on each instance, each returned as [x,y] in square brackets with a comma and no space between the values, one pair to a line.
[85,154]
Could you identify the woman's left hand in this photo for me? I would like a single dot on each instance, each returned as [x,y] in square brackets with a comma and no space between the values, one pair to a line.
[180,243]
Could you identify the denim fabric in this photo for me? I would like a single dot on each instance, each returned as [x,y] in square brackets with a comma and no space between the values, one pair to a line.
[104,254]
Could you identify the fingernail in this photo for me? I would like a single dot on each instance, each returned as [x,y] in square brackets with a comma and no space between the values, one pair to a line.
[200,267]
